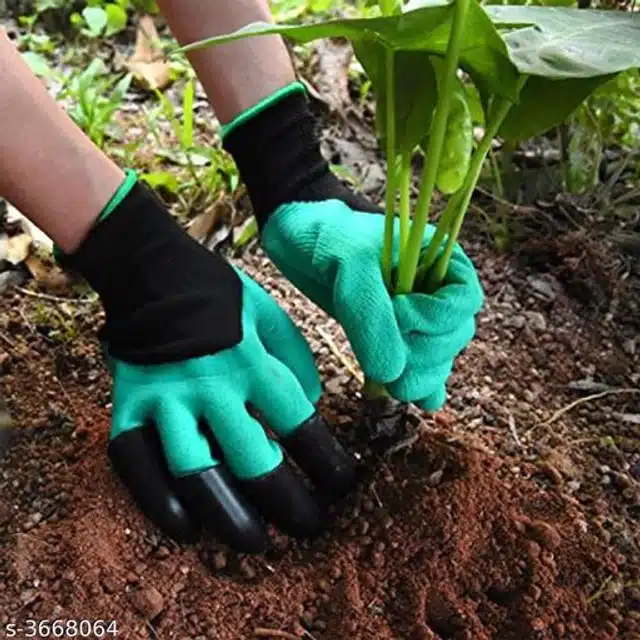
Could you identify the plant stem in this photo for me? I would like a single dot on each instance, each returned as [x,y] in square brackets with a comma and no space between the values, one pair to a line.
[499,113]
[409,263]
[430,255]
[497,175]
[405,199]
[390,205]
[372,390]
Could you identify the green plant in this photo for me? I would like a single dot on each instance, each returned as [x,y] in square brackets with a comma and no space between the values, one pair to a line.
[610,117]
[531,66]
[96,96]
[208,168]
[100,18]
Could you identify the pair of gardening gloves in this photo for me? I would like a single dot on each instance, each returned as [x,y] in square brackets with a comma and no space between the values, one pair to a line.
[212,382]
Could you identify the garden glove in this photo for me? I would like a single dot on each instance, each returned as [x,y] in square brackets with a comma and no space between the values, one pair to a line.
[197,350]
[327,240]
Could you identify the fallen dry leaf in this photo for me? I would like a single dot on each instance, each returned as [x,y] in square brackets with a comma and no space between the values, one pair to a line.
[48,275]
[205,225]
[16,248]
[148,63]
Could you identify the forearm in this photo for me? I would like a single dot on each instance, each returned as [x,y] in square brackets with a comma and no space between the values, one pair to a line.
[237,75]
[49,169]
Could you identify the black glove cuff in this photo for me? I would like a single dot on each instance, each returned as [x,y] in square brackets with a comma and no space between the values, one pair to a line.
[278,155]
[166,297]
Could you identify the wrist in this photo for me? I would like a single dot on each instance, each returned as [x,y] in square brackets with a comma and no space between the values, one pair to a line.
[277,150]
[128,182]
[158,286]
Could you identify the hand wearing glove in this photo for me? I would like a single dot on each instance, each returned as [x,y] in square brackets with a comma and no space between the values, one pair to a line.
[328,240]
[196,348]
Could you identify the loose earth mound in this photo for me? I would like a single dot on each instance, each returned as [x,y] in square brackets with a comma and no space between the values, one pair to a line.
[443,541]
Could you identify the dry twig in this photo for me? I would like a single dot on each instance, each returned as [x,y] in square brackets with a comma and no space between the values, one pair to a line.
[50,298]
[514,433]
[341,356]
[575,403]
[262,632]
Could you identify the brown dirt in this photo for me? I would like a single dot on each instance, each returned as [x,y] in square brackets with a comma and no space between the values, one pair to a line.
[462,533]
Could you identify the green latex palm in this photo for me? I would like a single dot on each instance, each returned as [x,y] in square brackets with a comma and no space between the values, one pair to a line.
[271,369]
[406,342]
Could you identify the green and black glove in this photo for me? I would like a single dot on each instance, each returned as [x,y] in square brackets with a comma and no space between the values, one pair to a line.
[202,357]
[328,240]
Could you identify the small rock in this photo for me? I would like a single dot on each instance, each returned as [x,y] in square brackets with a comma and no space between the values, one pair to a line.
[536,321]
[435,478]
[516,322]
[545,286]
[28,596]
[247,570]
[635,470]
[629,346]
[334,386]
[162,552]
[573,486]
[148,602]
[621,480]
[109,584]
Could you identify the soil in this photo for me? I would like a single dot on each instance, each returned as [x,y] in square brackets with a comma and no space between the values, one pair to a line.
[512,514]
[485,523]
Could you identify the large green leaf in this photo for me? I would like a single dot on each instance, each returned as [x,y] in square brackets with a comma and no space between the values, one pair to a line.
[568,53]
[426,28]
[546,102]
[415,91]
[569,43]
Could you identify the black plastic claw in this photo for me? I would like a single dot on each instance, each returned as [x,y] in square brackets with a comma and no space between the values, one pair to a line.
[283,499]
[318,453]
[215,498]
[137,458]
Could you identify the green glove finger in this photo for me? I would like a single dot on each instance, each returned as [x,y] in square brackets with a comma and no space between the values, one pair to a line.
[365,310]
[186,449]
[430,362]
[435,401]
[130,410]
[280,398]
[282,339]
[247,450]
[420,381]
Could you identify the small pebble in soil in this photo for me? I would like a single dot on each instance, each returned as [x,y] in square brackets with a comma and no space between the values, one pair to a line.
[435,478]
[148,602]
[247,570]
